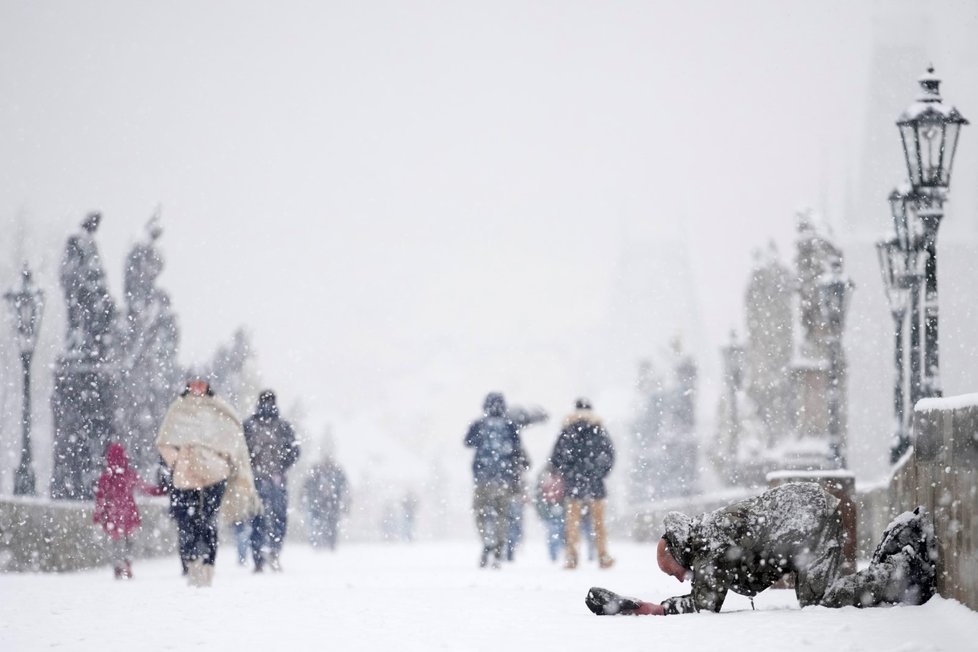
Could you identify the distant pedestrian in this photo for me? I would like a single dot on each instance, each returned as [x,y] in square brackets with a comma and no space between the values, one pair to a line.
[202,444]
[549,500]
[326,498]
[274,450]
[583,456]
[497,470]
[409,511]
[115,507]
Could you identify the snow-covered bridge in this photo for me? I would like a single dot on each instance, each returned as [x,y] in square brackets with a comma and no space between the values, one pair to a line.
[431,596]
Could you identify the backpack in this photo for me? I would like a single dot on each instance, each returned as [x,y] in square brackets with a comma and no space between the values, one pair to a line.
[497,452]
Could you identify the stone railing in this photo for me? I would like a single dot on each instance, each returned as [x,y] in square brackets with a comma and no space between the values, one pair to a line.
[41,535]
[941,474]
[647,526]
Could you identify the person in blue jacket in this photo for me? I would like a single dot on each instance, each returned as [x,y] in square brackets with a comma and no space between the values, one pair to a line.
[497,470]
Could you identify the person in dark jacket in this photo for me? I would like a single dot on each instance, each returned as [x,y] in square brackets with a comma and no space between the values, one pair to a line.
[497,471]
[274,450]
[796,529]
[583,456]
[326,498]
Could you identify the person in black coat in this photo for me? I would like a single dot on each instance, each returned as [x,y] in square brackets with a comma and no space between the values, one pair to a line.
[583,456]
[274,450]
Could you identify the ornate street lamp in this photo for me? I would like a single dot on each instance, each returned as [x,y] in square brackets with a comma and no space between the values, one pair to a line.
[929,130]
[834,292]
[28,306]
[897,282]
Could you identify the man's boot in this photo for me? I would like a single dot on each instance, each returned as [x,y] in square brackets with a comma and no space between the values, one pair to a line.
[497,558]
[571,562]
[207,574]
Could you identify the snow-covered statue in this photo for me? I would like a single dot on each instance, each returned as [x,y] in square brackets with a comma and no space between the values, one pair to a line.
[814,251]
[149,374]
[816,256]
[770,343]
[232,372]
[83,398]
[782,421]
[91,311]
[643,467]
[663,451]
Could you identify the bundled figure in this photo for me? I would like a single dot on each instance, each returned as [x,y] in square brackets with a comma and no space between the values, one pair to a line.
[274,450]
[202,444]
[325,497]
[115,506]
[793,529]
[583,457]
[549,501]
[497,471]
[522,418]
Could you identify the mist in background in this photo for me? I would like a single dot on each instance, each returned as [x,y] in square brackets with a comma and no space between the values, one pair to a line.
[410,204]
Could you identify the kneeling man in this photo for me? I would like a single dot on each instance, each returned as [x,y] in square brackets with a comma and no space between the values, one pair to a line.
[794,528]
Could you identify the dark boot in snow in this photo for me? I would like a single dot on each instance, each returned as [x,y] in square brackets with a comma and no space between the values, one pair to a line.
[127,570]
[571,562]
[497,558]
[910,547]
[902,570]
[117,572]
[603,602]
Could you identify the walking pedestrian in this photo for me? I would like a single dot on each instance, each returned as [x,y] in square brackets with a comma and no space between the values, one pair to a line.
[326,499]
[274,450]
[115,507]
[497,471]
[202,444]
[583,456]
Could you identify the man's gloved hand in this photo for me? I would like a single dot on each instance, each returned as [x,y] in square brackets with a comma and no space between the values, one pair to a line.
[603,602]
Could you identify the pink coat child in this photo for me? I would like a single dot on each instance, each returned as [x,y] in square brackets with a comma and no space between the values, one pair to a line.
[115,506]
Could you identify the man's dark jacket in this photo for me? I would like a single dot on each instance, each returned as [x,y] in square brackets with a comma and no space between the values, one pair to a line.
[583,456]
[271,442]
[747,547]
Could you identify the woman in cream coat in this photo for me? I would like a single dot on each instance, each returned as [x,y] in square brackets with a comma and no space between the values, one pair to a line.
[202,443]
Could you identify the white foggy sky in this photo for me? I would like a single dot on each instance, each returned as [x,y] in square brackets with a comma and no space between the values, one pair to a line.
[398,195]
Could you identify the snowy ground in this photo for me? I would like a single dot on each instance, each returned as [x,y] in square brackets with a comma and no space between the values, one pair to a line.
[431,596]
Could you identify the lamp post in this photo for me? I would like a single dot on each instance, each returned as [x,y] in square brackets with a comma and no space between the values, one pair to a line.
[899,258]
[28,306]
[834,292]
[929,130]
